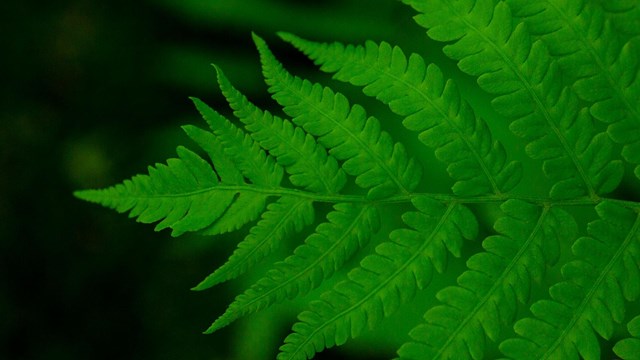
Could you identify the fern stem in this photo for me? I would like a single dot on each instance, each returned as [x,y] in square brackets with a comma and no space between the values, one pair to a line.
[398,199]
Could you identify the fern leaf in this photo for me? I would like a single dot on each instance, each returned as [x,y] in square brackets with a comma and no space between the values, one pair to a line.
[223,164]
[252,161]
[384,280]
[577,33]
[624,15]
[368,153]
[629,348]
[627,130]
[348,229]
[431,105]
[180,194]
[484,301]
[592,295]
[248,206]
[307,162]
[283,217]
[524,78]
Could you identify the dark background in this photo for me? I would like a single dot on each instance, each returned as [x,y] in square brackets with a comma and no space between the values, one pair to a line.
[93,92]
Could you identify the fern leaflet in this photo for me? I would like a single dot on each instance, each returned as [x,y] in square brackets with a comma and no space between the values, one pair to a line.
[629,348]
[384,280]
[425,98]
[523,77]
[248,206]
[368,153]
[282,217]
[179,193]
[484,301]
[592,295]
[349,228]
[307,162]
[605,73]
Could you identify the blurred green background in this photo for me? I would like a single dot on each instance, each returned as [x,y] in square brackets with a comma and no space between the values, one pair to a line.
[92,93]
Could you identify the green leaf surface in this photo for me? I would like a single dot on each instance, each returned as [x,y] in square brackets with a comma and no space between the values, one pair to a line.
[179,193]
[281,219]
[485,299]
[368,152]
[629,348]
[334,242]
[523,76]
[430,104]
[590,298]
[307,162]
[384,280]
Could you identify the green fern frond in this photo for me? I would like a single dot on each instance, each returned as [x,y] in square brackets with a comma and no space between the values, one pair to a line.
[553,69]
[349,228]
[627,130]
[224,165]
[607,74]
[179,193]
[591,297]
[484,301]
[283,217]
[255,165]
[384,280]
[368,153]
[629,348]
[307,162]
[248,206]
[526,83]
[422,95]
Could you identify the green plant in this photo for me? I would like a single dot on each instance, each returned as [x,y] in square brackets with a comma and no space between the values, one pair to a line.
[565,76]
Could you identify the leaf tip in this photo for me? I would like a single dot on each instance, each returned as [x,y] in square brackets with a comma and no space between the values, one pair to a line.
[86,195]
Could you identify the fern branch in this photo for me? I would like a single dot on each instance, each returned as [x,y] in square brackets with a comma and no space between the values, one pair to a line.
[348,229]
[577,33]
[592,295]
[484,302]
[627,130]
[421,94]
[307,162]
[587,48]
[384,280]
[524,80]
[368,153]
[171,193]
[223,164]
[248,206]
[252,161]
[283,217]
